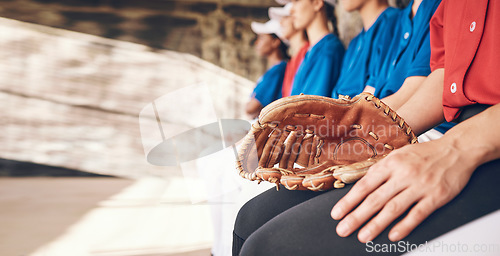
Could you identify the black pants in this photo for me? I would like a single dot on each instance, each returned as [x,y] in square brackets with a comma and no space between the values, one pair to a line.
[298,222]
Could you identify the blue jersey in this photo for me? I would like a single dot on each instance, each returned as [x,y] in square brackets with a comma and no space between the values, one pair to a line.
[365,53]
[410,53]
[410,50]
[268,88]
[320,68]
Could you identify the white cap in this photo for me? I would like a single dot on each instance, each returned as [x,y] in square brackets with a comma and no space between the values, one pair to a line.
[277,13]
[283,2]
[270,27]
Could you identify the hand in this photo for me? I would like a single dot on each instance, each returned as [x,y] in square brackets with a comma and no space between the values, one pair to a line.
[422,176]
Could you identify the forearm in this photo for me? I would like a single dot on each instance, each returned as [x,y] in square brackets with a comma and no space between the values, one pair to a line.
[424,109]
[478,137]
[409,87]
[253,108]
[417,179]
[369,89]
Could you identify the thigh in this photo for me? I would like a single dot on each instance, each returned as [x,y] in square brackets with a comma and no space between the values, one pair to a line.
[262,208]
[266,206]
[304,229]
[308,229]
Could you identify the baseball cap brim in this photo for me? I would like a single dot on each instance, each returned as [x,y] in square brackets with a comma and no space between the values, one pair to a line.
[278,13]
[283,2]
[270,27]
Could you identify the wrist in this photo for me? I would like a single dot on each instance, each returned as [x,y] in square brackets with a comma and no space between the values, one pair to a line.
[473,153]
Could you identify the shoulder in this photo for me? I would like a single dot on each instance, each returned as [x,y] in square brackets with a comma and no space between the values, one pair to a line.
[429,5]
[356,38]
[277,68]
[355,43]
[425,12]
[282,65]
[331,44]
[386,25]
[332,39]
[390,13]
[389,18]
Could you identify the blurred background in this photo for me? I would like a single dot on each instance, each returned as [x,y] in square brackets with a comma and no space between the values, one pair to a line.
[74,76]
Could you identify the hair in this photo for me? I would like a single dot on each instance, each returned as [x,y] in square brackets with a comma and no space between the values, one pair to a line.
[402,3]
[283,47]
[332,17]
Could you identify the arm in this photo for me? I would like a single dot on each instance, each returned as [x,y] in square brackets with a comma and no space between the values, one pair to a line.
[409,87]
[415,76]
[429,95]
[471,136]
[417,92]
[370,89]
[420,177]
[253,108]
[324,74]
[267,90]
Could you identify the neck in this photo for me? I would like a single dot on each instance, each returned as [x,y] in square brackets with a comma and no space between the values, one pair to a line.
[297,41]
[370,11]
[414,7]
[317,30]
[274,58]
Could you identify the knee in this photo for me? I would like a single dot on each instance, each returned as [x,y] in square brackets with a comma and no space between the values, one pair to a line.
[244,224]
[259,243]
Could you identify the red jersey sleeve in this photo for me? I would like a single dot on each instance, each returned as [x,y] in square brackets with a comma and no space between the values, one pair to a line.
[437,38]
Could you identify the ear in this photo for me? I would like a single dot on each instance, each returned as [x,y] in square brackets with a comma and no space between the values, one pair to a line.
[318,4]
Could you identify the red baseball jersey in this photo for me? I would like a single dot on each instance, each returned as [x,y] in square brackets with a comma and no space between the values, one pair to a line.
[291,69]
[465,42]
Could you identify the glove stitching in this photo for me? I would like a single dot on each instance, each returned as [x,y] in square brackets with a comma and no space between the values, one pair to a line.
[320,144]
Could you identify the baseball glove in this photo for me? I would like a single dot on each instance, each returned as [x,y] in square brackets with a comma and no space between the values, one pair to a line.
[319,143]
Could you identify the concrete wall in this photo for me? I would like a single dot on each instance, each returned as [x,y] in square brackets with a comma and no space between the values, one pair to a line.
[215,30]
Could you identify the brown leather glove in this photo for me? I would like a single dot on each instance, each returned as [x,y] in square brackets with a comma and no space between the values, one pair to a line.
[319,143]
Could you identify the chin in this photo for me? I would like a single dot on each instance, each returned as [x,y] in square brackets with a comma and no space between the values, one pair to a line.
[287,36]
[298,26]
[348,7]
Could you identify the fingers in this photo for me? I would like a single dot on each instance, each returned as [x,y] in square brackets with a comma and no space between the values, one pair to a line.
[372,180]
[268,148]
[273,148]
[291,149]
[390,211]
[417,215]
[397,183]
[370,206]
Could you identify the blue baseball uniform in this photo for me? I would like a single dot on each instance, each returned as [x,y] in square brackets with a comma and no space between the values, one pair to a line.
[320,69]
[410,52]
[364,54]
[268,88]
